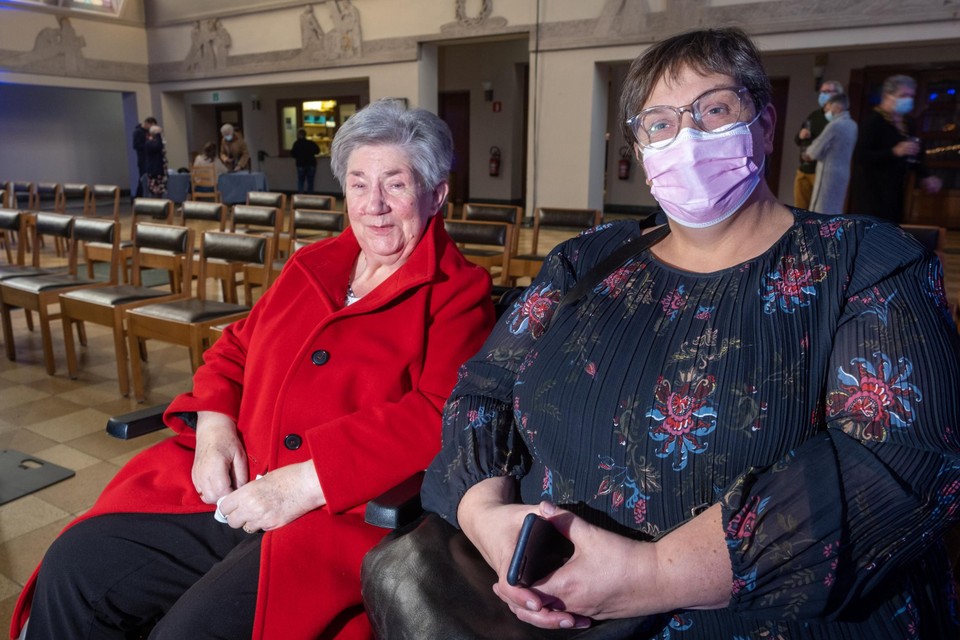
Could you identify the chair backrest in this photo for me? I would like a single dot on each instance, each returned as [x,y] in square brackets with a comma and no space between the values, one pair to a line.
[100,231]
[203,183]
[50,196]
[560,218]
[206,212]
[23,195]
[255,218]
[267,199]
[220,251]
[167,247]
[159,210]
[75,195]
[328,222]
[13,221]
[104,194]
[57,226]
[476,233]
[312,201]
[485,212]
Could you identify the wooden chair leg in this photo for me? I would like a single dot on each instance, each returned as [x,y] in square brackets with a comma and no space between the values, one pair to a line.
[29,317]
[7,332]
[47,339]
[82,332]
[69,347]
[136,368]
[120,347]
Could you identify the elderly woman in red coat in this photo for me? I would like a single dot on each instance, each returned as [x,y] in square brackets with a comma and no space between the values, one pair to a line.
[249,523]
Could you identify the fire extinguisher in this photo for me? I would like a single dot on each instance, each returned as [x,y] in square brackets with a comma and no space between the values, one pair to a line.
[623,167]
[494,161]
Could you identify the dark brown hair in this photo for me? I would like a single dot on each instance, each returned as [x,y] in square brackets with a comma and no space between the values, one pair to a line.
[725,51]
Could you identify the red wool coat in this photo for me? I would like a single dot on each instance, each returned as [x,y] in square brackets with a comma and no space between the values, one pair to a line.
[361,387]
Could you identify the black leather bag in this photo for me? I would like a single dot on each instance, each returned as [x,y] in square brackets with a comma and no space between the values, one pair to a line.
[431,583]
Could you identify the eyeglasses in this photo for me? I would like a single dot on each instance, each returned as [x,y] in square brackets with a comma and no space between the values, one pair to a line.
[657,127]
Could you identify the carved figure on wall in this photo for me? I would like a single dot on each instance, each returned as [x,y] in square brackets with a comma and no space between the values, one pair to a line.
[209,41]
[622,16]
[482,19]
[52,43]
[311,33]
[346,22]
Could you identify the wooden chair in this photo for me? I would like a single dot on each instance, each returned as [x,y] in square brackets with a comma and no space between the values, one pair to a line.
[50,197]
[488,244]
[22,195]
[157,210]
[17,224]
[527,265]
[312,201]
[185,321]
[204,183]
[323,224]
[76,198]
[204,216]
[485,212]
[155,246]
[104,195]
[40,292]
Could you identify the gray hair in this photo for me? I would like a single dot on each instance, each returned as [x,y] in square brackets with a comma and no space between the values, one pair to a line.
[423,136]
[836,87]
[226,129]
[893,83]
[841,99]
[725,51]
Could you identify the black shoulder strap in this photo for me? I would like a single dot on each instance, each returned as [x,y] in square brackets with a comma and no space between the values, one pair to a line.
[605,267]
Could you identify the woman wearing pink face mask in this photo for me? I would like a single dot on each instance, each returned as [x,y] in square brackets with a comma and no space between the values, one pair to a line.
[746,422]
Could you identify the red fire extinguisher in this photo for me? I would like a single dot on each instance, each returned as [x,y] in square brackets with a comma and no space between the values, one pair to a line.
[623,167]
[494,161]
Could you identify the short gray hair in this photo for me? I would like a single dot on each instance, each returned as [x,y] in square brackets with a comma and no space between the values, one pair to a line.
[422,135]
[226,129]
[836,87]
[893,83]
[724,51]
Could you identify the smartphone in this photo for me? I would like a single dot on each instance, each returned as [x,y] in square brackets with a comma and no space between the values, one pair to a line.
[540,551]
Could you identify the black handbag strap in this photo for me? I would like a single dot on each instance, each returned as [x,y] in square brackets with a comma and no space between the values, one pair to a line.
[605,267]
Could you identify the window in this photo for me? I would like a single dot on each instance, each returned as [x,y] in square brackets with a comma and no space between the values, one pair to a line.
[320,118]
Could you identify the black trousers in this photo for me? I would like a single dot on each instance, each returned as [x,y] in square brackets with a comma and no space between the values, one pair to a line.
[121,575]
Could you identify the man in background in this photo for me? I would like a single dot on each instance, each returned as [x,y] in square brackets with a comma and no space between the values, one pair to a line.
[234,153]
[812,127]
[139,140]
[832,151]
[304,152]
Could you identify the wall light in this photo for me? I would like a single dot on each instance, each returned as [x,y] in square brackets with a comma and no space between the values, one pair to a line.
[487,90]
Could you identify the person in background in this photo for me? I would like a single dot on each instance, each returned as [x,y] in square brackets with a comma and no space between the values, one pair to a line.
[155,162]
[887,151]
[747,429]
[305,152]
[140,133]
[234,153]
[209,157]
[832,151]
[248,523]
[812,126]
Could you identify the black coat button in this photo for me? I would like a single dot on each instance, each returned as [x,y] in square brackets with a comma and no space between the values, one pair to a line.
[292,442]
[320,357]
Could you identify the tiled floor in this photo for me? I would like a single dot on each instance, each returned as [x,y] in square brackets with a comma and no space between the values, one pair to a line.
[62,421]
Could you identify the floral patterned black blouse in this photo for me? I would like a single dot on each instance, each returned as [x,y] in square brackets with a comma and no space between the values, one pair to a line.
[814,392]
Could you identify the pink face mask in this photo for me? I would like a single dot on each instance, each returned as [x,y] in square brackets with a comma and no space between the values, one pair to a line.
[702,177]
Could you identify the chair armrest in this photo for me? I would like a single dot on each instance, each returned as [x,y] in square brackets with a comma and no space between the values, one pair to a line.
[397,506]
[137,423]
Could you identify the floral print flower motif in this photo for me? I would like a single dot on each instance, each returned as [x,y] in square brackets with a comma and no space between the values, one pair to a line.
[742,524]
[831,550]
[623,489]
[615,283]
[479,417]
[533,311]
[832,228]
[673,302]
[704,313]
[876,396]
[746,582]
[876,303]
[911,617]
[683,418]
[547,483]
[792,285]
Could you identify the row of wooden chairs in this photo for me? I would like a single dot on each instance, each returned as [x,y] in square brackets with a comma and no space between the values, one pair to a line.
[100,200]
[489,235]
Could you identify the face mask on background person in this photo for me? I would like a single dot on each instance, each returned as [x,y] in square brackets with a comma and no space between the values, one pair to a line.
[828,115]
[702,177]
[823,97]
[903,106]
[228,138]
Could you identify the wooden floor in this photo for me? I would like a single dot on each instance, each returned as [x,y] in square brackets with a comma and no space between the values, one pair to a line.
[62,421]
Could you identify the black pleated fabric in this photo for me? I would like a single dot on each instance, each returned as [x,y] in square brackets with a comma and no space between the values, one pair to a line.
[814,392]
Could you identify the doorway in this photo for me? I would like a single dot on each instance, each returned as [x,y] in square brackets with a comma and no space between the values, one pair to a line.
[454,109]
